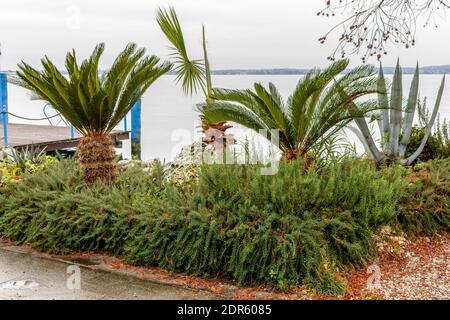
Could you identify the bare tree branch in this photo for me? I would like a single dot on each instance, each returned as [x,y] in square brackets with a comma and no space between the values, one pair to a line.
[371,26]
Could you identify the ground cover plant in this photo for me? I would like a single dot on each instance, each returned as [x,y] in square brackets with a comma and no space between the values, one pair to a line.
[14,163]
[296,227]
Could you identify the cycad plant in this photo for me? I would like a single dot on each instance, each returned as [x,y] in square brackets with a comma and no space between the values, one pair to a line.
[321,104]
[94,103]
[395,128]
[194,74]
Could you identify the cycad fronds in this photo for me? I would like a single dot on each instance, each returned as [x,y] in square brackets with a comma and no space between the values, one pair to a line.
[319,107]
[194,75]
[93,103]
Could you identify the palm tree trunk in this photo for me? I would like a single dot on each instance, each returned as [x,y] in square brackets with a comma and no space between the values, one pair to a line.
[215,134]
[96,156]
[291,154]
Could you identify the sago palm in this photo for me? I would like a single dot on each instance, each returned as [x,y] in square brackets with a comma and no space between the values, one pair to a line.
[194,74]
[321,105]
[94,103]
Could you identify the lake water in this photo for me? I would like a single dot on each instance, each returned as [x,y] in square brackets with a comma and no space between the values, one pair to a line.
[169,120]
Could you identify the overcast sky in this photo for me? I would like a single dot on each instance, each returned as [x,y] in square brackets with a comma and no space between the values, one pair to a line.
[240,33]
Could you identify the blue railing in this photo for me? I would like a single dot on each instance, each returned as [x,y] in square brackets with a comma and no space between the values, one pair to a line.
[135,116]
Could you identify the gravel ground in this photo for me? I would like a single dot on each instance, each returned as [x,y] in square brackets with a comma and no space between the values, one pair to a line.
[417,270]
[423,272]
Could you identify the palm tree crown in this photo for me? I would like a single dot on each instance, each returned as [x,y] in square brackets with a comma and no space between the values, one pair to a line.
[194,74]
[319,107]
[93,103]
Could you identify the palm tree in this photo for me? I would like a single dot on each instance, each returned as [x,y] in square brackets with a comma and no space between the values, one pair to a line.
[94,104]
[319,107]
[194,74]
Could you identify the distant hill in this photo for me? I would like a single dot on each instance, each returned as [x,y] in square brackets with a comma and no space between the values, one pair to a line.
[444,69]
[424,70]
[289,71]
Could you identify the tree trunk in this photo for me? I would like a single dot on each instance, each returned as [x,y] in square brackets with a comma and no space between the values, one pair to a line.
[215,134]
[294,154]
[96,156]
[291,154]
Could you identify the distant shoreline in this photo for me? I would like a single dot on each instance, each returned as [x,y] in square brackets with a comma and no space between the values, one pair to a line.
[444,69]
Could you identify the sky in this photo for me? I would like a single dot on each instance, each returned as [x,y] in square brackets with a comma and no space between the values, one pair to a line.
[247,34]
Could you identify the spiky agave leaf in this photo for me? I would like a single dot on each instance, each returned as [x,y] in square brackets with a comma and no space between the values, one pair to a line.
[383,102]
[430,124]
[409,112]
[396,111]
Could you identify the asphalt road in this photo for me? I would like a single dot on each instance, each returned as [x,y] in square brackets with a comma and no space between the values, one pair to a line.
[26,277]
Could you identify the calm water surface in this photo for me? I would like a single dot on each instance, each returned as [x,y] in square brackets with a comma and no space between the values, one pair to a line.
[169,120]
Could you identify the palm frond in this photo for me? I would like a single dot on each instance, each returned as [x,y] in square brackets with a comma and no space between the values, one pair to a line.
[190,72]
[321,105]
[93,103]
[219,111]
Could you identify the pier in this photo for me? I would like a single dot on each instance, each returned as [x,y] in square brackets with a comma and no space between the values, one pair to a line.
[49,138]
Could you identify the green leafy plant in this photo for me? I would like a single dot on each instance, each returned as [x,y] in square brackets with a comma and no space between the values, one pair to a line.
[94,103]
[438,143]
[17,162]
[320,106]
[20,157]
[424,206]
[296,227]
[9,173]
[194,74]
[328,284]
[396,128]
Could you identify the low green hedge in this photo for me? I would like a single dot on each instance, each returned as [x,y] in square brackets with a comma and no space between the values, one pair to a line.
[291,228]
[424,205]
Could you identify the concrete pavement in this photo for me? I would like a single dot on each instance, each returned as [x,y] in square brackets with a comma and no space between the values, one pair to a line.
[24,276]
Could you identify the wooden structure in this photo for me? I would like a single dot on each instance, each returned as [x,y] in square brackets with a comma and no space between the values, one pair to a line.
[50,138]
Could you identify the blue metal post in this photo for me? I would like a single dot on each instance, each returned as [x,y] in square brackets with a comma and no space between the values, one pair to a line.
[125,125]
[4,106]
[72,132]
[136,130]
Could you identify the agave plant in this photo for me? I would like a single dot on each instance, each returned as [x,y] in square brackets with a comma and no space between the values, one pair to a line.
[395,128]
[319,107]
[94,104]
[20,157]
[194,74]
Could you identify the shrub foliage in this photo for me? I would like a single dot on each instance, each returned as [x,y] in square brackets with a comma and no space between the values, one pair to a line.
[294,227]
